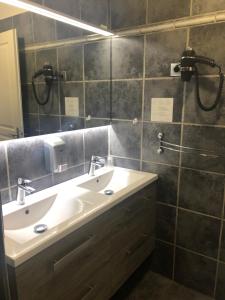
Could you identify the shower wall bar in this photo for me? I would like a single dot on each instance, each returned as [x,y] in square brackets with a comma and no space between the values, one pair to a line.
[210,18]
[163,145]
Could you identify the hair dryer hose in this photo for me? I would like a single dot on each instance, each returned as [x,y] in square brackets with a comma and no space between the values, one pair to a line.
[219,94]
[49,86]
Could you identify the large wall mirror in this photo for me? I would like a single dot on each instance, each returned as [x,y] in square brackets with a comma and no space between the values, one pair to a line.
[51,79]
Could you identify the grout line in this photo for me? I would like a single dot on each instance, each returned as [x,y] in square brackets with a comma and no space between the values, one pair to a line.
[190,251]
[191,7]
[220,245]
[143,102]
[122,79]
[7,170]
[147,10]
[179,170]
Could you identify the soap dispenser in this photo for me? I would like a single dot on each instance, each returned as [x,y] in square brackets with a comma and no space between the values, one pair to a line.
[55,156]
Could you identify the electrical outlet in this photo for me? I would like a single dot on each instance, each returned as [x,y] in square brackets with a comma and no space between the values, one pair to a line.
[173,73]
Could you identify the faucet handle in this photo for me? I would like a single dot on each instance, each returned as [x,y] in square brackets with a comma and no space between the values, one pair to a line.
[23,181]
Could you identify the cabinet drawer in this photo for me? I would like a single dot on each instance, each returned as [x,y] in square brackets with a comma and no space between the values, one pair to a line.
[128,260]
[69,258]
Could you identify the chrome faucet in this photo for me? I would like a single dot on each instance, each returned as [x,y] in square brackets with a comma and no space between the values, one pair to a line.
[96,161]
[23,188]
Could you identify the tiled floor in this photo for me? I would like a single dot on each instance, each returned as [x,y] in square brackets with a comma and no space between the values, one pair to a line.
[152,286]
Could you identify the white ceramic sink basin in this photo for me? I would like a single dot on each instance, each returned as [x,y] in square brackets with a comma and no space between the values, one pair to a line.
[64,208]
[51,211]
[115,180]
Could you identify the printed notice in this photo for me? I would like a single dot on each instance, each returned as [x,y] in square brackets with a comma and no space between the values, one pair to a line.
[72,106]
[162,110]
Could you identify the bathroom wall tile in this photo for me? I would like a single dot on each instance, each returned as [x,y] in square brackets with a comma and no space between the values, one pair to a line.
[27,66]
[210,139]
[162,259]
[65,31]
[121,12]
[165,222]
[71,8]
[198,233]
[74,66]
[74,148]
[97,60]
[167,182]
[220,289]
[52,107]
[164,48]
[126,163]
[97,99]
[101,9]
[6,24]
[72,89]
[5,198]
[151,142]
[46,57]
[222,250]
[71,123]
[3,169]
[44,29]
[202,192]
[28,101]
[49,124]
[127,57]
[201,7]
[195,271]
[125,139]
[68,174]
[127,99]
[168,88]
[208,91]
[42,183]
[96,142]
[26,159]
[206,41]
[31,125]
[173,9]
[23,25]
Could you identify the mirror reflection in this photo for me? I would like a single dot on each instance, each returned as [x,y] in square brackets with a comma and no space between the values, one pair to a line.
[52,79]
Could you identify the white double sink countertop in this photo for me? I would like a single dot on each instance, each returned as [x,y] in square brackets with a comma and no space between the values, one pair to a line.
[64,208]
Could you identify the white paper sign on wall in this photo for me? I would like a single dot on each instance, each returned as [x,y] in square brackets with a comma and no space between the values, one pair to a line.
[72,106]
[162,109]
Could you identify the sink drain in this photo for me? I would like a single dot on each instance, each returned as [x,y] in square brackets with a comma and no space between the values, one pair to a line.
[40,228]
[108,192]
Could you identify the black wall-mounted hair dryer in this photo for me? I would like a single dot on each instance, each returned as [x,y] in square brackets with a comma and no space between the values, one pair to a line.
[188,68]
[49,76]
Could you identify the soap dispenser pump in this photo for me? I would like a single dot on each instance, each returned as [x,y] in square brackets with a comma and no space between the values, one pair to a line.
[55,156]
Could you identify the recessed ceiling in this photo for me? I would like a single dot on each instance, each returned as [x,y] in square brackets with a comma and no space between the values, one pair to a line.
[7,11]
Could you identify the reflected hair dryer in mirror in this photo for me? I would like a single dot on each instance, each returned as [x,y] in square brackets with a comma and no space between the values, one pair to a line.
[49,76]
[188,68]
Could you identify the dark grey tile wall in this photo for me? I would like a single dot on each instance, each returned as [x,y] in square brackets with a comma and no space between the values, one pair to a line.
[190,235]
[25,158]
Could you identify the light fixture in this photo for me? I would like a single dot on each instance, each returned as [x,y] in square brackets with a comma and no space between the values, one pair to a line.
[47,12]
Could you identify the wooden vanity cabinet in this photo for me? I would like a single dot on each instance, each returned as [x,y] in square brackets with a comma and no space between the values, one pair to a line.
[95,260]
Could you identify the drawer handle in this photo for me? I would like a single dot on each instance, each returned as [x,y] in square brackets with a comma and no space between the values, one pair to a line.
[69,257]
[137,245]
[89,293]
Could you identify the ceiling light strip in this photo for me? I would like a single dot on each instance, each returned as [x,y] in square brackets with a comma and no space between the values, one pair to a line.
[47,12]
